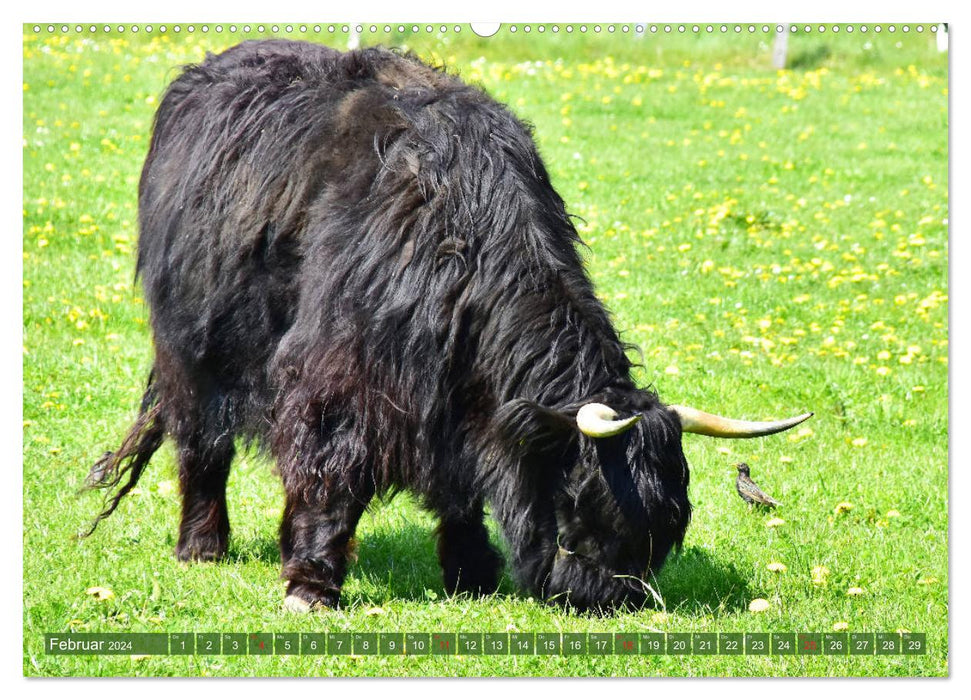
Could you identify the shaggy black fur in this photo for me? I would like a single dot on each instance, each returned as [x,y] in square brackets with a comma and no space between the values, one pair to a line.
[360,262]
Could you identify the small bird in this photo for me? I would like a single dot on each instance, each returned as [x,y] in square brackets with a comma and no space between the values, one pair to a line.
[749,491]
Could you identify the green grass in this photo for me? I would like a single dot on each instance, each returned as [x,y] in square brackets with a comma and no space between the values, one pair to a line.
[773,241]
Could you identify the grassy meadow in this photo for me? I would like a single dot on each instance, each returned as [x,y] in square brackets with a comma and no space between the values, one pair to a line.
[773,241]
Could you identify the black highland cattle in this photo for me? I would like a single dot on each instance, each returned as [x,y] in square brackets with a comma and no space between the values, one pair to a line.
[358,262]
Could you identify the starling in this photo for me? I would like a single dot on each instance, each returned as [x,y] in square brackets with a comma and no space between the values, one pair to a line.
[749,491]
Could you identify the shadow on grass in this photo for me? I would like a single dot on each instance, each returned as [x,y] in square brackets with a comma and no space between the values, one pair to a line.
[401,563]
[257,549]
[696,583]
[388,564]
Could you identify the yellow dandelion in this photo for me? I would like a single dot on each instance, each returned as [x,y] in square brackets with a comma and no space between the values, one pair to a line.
[854,590]
[860,442]
[774,522]
[777,567]
[100,593]
[758,605]
[841,626]
[820,574]
[927,580]
[672,370]
[843,507]
[893,513]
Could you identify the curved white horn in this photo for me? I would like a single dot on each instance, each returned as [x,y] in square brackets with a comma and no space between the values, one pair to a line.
[597,420]
[701,423]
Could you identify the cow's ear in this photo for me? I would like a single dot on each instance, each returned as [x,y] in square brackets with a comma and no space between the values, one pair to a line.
[533,427]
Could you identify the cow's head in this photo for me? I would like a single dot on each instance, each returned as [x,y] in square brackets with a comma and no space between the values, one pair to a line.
[618,482]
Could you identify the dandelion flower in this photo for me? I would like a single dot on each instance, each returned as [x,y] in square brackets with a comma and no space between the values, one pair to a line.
[775,522]
[776,567]
[100,593]
[854,590]
[758,605]
[841,626]
[843,507]
[820,574]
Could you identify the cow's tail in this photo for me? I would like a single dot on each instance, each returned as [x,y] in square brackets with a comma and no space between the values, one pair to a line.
[118,472]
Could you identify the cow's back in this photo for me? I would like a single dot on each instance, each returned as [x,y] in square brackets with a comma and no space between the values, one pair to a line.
[245,149]
[346,226]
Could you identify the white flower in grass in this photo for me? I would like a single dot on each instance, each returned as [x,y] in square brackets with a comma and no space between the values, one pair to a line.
[759,605]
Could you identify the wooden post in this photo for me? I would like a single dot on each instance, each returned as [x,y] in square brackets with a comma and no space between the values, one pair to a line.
[780,47]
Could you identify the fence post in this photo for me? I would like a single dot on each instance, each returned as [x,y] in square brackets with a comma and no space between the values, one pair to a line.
[780,46]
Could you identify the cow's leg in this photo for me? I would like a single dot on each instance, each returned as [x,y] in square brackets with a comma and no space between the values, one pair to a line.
[317,538]
[470,564]
[204,461]
[200,420]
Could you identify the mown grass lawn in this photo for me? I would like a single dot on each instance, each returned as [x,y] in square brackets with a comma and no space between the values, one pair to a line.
[773,241]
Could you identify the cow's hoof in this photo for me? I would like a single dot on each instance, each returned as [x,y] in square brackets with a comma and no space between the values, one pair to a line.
[202,549]
[298,605]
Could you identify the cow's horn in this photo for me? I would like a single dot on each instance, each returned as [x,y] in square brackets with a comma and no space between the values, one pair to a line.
[701,423]
[597,420]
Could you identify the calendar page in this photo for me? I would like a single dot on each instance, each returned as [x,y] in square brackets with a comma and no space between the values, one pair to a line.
[543,349]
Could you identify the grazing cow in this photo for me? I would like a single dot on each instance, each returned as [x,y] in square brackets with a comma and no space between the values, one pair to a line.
[359,262]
